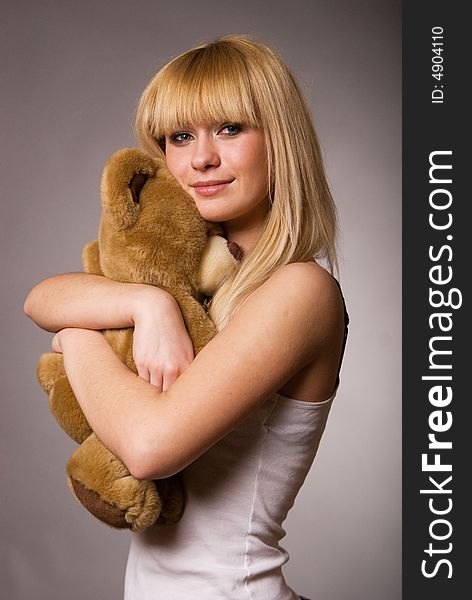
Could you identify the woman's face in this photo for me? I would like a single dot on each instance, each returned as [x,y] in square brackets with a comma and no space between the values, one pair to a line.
[224,169]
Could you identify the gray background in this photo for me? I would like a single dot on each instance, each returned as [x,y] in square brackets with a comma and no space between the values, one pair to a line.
[71,76]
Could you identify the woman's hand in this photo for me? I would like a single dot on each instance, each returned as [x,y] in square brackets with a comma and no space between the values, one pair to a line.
[75,302]
[162,348]
[56,343]
[71,335]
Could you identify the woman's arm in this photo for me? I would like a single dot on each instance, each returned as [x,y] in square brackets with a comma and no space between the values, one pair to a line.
[88,301]
[290,321]
[162,348]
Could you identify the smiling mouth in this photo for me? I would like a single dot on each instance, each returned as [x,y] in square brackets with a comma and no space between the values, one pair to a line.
[210,188]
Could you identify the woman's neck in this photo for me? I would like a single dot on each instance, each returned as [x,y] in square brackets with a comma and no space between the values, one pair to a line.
[246,231]
[245,238]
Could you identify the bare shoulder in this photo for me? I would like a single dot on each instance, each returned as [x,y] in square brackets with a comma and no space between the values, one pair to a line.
[297,316]
[306,287]
[306,298]
[308,277]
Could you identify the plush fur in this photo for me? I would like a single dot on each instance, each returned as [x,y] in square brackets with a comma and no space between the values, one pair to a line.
[150,232]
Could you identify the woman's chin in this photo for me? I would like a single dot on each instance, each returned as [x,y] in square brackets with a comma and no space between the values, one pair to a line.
[210,211]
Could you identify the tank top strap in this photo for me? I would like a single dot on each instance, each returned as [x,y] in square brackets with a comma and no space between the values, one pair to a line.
[346,324]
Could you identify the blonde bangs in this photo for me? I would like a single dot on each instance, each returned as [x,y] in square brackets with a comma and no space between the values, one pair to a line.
[203,86]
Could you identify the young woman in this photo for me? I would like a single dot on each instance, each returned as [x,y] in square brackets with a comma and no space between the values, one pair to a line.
[242,420]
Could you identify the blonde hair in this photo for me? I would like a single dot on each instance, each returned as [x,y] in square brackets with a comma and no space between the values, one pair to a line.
[235,79]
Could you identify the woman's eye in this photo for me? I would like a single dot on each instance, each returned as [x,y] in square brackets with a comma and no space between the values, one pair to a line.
[180,137]
[231,129]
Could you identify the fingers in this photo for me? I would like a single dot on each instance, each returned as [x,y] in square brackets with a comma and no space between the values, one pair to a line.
[170,376]
[162,348]
[161,379]
[156,381]
[55,344]
[153,377]
[160,360]
[143,372]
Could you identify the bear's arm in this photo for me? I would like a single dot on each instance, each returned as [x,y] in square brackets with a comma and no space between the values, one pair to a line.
[91,258]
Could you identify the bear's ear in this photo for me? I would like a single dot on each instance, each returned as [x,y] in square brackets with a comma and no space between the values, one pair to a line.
[124,176]
[136,185]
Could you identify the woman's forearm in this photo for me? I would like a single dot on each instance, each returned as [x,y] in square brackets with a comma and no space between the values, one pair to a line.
[105,387]
[162,348]
[88,301]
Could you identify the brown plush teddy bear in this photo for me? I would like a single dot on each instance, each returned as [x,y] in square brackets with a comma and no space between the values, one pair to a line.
[150,232]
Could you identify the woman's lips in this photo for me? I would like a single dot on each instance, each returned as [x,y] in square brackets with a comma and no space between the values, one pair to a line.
[210,188]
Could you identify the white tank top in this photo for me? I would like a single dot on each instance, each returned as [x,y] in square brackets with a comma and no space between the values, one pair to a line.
[226,545]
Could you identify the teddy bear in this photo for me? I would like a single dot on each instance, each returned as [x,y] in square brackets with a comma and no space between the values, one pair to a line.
[150,232]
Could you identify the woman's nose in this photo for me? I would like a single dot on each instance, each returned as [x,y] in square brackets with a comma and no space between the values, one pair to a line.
[205,153]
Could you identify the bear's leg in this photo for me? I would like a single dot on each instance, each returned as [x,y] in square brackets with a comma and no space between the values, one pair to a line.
[67,412]
[62,403]
[50,368]
[103,484]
